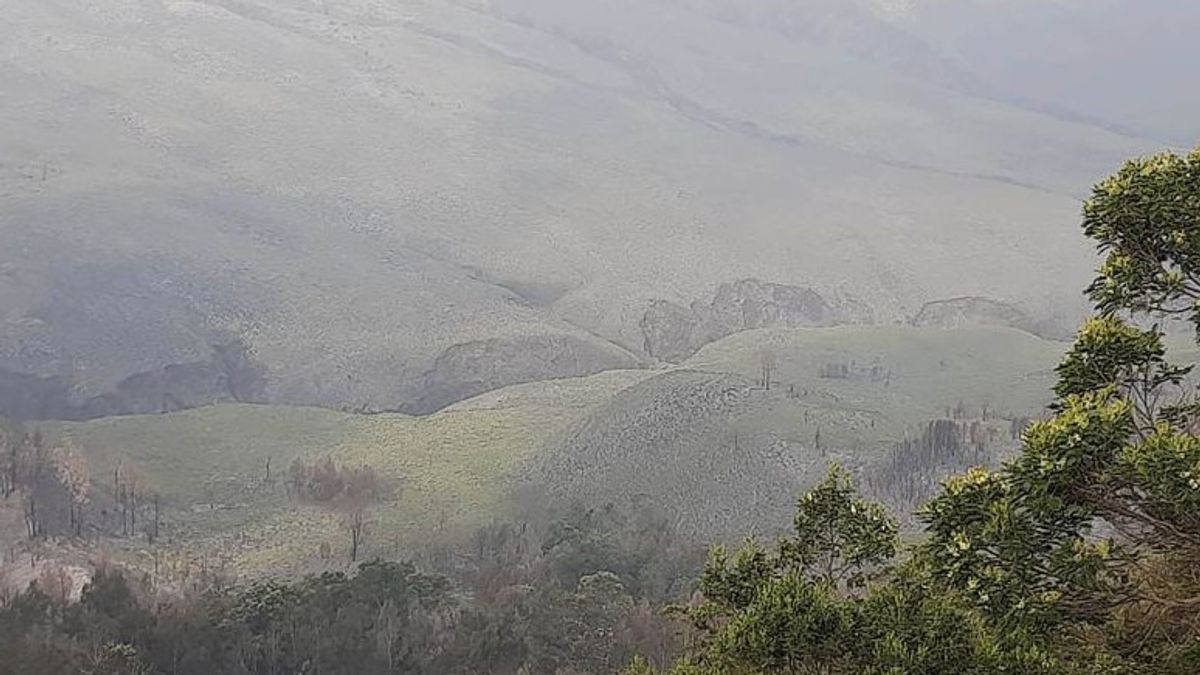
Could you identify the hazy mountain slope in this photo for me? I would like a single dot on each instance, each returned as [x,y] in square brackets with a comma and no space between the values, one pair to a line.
[830,73]
[1124,63]
[356,189]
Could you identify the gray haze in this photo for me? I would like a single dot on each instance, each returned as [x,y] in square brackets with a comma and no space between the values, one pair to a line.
[387,204]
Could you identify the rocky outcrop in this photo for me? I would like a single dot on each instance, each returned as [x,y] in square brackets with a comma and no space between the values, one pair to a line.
[980,311]
[228,375]
[673,332]
[472,368]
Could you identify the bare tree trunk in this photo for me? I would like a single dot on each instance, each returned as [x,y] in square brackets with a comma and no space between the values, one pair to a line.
[124,510]
[358,524]
[31,522]
[10,471]
[154,537]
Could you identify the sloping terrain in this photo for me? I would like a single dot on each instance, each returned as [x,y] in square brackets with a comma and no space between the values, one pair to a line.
[448,473]
[725,454]
[1057,57]
[706,439]
[354,193]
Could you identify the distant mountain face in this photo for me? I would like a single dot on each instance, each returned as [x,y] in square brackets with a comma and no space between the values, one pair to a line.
[1124,64]
[368,198]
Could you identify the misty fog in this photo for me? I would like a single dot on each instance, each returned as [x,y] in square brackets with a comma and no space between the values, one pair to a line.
[289,285]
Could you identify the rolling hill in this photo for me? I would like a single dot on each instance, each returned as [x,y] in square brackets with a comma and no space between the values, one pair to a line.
[728,457]
[716,450]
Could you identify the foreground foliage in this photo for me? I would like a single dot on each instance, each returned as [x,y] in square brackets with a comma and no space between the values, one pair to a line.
[575,594]
[1082,555]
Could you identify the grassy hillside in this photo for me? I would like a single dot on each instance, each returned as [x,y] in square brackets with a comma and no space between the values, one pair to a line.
[699,438]
[728,456]
[449,472]
[899,371]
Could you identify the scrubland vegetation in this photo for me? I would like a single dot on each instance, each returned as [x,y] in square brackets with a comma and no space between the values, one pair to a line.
[589,337]
[1076,552]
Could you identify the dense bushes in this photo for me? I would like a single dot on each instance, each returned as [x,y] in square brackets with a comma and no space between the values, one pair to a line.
[382,619]
[580,594]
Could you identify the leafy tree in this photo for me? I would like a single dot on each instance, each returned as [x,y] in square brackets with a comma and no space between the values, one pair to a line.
[1146,220]
[1092,535]
[781,610]
[839,538]
[1081,555]
[579,631]
[12,442]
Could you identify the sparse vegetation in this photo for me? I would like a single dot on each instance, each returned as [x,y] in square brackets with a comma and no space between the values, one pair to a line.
[549,337]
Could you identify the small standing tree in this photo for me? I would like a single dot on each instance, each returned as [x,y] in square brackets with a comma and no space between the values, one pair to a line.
[360,490]
[782,610]
[839,539]
[152,529]
[356,522]
[767,363]
[350,491]
[297,480]
[129,494]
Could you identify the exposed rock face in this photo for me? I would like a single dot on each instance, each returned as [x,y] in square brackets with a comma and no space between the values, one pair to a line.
[673,333]
[979,311]
[464,370]
[229,375]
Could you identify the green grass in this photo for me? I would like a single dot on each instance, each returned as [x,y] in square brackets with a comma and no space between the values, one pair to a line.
[178,454]
[727,458]
[932,369]
[452,471]
[449,472]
